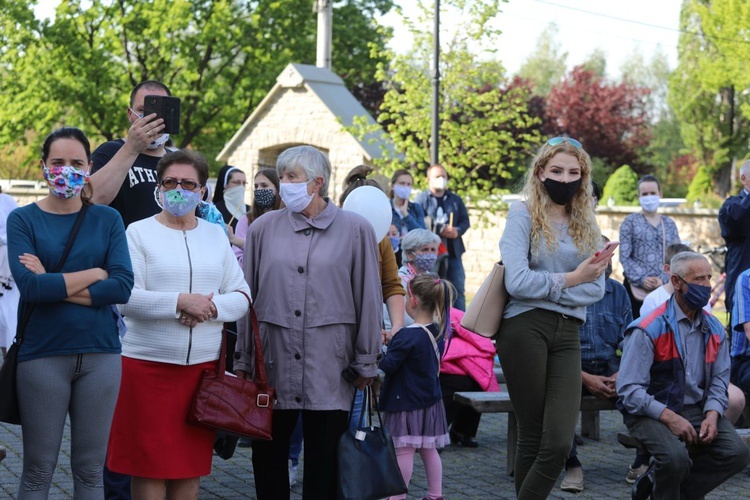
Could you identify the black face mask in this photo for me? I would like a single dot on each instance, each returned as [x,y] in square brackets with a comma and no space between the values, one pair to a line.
[561,192]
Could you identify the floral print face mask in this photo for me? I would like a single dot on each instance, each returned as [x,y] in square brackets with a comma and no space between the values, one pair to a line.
[65,181]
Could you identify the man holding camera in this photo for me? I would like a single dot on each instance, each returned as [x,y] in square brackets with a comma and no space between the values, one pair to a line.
[124,171]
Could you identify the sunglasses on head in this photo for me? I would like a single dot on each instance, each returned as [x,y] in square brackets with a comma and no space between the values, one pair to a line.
[557,140]
[188,185]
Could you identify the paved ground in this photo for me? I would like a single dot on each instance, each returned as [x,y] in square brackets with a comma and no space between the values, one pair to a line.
[467,473]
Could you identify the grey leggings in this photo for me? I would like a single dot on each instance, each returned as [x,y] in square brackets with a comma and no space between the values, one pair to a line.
[84,386]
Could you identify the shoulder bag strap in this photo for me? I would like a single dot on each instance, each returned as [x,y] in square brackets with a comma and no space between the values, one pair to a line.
[259,372]
[663,241]
[221,362]
[434,346]
[21,328]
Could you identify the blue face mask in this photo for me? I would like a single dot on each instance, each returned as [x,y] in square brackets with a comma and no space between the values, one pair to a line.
[395,242]
[697,296]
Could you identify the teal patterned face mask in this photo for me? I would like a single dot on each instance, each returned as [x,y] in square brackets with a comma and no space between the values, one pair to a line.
[179,202]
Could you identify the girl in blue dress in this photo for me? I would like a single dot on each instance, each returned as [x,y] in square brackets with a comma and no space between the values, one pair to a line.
[411,396]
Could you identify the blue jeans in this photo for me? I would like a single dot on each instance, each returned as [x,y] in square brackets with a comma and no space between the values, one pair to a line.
[295,443]
[357,410]
[740,374]
[455,274]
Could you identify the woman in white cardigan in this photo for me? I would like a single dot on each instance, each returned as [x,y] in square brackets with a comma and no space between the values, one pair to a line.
[187,284]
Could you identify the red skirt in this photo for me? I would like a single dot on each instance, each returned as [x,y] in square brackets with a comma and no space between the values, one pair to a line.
[150,437]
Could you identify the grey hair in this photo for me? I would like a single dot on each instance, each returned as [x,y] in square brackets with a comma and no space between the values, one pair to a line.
[311,160]
[416,239]
[745,168]
[679,263]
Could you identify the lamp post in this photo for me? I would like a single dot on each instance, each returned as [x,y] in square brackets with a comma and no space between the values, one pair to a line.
[324,8]
[434,153]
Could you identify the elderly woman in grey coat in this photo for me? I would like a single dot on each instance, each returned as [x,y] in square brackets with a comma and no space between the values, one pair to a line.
[313,272]
[419,250]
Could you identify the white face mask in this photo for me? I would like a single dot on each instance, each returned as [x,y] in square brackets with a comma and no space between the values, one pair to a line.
[438,183]
[294,195]
[403,192]
[649,203]
[234,199]
[158,142]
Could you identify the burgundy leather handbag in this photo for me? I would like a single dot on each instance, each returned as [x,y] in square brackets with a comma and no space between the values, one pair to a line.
[224,402]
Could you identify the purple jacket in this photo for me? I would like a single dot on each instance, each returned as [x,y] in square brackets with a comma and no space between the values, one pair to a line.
[317,293]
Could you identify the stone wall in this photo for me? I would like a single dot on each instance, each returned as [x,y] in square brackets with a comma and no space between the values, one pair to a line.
[698,228]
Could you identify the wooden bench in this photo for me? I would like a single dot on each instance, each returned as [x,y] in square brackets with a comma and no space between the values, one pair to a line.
[744,435]
[499,374]
[499,402]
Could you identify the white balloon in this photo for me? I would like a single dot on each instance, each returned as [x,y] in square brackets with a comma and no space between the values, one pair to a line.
[372,204]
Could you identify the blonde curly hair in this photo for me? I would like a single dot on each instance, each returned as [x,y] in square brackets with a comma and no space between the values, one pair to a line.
[582,227]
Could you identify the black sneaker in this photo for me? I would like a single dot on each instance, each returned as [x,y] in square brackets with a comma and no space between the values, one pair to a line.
[644,485]
[463,440]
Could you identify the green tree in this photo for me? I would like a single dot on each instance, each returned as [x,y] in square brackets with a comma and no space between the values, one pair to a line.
[653,75]
[622,186]
[700,192]
[707,90]
[596,62]
[664,155]
[486,129]
[219,56]
[546,65]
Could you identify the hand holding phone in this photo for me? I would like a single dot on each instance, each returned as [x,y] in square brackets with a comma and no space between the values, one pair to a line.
[606,252]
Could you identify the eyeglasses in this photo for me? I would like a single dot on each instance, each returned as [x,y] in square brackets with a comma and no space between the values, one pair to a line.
[170,183]
[557,140]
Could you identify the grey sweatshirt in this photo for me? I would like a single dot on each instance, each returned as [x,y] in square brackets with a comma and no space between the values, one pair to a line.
[537,281]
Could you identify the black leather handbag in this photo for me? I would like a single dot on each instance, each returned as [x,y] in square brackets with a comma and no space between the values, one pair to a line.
[9,411]
[368,468]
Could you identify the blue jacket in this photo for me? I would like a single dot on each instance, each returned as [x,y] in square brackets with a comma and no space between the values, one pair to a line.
[734,219]
[606,321]
[414,218]
[411,370]
[667,372]
[452,203]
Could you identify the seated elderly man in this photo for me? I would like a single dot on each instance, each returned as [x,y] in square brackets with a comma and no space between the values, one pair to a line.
[672,389]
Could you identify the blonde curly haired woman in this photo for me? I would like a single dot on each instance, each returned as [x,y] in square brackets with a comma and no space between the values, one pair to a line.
[551,274]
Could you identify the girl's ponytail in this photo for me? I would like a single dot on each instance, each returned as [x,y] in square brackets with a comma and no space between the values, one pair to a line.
[436,295]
